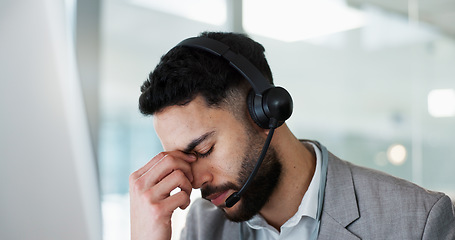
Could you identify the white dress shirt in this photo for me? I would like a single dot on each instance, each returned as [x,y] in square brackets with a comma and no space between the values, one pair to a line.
[303,223]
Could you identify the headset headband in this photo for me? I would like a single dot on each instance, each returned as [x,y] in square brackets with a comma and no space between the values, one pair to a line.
[257,80]
[269,106]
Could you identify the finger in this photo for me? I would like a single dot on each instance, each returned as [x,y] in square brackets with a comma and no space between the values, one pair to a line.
[164,167]
[138,173]
[159,194]
[179,200]
[176,179]
[158,158]
[167,166]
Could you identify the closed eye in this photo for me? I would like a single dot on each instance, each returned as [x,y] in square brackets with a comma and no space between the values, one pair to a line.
[206,154]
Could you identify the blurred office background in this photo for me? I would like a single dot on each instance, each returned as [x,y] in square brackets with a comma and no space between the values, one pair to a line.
[372,80]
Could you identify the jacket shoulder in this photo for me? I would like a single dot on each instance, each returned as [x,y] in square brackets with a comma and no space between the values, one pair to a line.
[391,207]
[206,221]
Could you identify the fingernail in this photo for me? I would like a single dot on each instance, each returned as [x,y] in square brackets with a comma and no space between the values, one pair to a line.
[192,157]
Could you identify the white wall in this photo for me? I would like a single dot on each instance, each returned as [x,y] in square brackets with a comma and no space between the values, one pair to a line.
[48,183]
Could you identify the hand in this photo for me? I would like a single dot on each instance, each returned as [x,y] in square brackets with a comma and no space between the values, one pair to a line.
[151,203]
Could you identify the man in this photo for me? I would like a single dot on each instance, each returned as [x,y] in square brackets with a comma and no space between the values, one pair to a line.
[212,140]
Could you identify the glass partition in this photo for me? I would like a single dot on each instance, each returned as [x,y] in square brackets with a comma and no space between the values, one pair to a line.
[378,91]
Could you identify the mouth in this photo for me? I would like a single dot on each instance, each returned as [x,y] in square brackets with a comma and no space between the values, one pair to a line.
[218,198]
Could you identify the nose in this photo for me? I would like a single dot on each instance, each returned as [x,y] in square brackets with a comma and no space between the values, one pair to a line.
[201,174]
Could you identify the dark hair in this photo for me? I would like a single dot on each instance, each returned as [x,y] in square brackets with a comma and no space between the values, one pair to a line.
[184,73]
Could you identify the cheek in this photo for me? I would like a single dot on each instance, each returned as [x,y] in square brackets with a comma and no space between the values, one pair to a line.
[230,157]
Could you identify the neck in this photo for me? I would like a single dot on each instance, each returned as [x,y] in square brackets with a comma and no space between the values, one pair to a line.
[299,165]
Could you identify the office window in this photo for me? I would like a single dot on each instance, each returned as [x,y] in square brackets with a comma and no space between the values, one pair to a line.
[368,91]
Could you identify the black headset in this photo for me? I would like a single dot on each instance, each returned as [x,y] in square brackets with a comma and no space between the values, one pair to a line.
[269,106]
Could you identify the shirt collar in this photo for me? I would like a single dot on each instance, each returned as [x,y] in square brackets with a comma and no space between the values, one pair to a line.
[309,204]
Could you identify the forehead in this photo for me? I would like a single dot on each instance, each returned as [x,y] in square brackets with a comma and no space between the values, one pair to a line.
[177,126]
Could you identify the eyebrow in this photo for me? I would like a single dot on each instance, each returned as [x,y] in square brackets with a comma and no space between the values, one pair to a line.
[190,147]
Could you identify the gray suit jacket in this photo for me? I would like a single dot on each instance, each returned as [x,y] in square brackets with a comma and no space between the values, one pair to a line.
[359,203]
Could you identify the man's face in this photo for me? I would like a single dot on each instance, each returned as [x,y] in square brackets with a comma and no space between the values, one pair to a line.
[227,152]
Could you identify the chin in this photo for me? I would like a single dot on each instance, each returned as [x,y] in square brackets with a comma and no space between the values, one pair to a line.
[237,213]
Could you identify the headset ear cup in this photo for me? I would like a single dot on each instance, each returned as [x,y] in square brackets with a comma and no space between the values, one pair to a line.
[277,104]
[254,103]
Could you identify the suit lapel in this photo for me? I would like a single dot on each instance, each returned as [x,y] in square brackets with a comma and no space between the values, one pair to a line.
[340,204]
[332,230]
